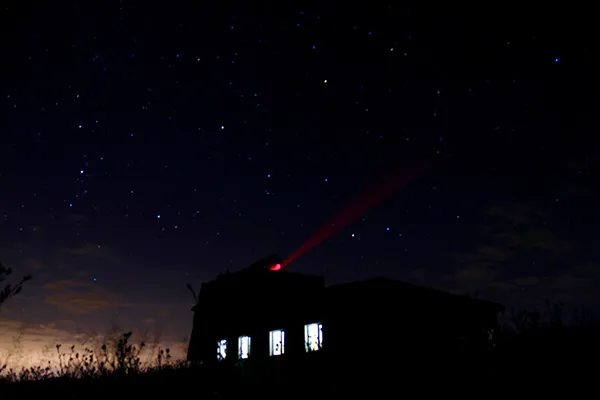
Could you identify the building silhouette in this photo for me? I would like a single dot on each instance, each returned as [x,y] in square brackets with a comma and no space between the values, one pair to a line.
[275,318]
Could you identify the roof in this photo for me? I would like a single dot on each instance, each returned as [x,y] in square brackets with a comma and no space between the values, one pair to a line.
[260,276]
[380,284]
[258,281]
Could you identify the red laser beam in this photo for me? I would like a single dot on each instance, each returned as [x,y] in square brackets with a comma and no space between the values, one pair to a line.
[371,196]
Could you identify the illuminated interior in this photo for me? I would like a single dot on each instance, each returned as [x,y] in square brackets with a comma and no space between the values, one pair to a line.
[276,342]
[244,347]
[222,349]
[313,336]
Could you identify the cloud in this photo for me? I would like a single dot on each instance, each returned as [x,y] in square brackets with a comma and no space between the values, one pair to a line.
[581,282]
[78,297]
[88,248]
[492,254]
[577,286]
[459,280]
[65,284]
[518,213]
[476,275]
[92,251]
[521,259]
[535,239]
[163,313]
[35,265]
[82,303]
[84,250]
[527,281]
[574,190]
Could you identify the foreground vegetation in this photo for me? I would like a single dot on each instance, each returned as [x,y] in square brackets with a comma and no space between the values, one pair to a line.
[124,359]
[531,350]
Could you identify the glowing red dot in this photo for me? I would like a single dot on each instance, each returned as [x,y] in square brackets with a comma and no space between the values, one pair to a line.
[276,267]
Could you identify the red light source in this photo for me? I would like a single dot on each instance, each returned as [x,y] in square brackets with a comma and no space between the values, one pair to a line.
[276,267]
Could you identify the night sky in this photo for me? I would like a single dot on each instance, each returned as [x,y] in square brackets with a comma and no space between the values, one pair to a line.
[148,144]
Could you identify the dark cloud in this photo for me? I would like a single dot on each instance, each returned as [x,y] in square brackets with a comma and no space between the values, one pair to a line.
[95,252]
[525,257]
[516,213]
[86,249]
[65,284]
[79,297]
[36,265]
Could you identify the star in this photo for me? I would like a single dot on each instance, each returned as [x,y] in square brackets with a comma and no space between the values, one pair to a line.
[156,118]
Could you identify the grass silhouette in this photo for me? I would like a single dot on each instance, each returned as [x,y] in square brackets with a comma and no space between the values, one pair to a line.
[123,360]
[528,348]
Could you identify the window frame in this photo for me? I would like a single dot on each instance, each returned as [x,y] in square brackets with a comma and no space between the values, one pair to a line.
[281,342]
[222,344]
[307,347]
[240,342]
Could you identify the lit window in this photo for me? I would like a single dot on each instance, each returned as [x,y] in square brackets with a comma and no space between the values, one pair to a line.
[244,347]
[222,349]
[276,343]
[313,336]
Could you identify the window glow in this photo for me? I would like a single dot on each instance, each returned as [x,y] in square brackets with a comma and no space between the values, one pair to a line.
[313,336]
[244,347]
[222,349]
[276,343]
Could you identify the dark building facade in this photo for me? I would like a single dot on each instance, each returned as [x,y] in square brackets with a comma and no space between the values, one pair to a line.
[265,315]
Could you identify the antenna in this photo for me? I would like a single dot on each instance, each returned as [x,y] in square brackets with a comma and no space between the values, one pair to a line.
[191,289]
